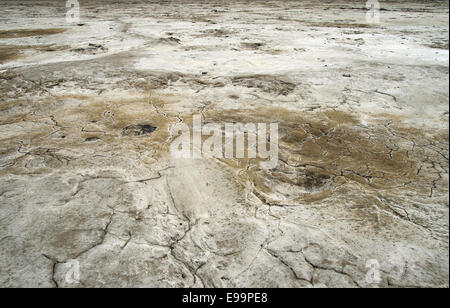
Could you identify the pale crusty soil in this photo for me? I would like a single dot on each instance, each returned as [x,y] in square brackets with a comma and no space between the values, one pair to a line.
[363,154]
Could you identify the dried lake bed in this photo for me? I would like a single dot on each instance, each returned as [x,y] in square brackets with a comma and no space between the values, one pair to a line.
[86,112]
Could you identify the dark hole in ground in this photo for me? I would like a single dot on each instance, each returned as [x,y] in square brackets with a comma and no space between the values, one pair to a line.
[138,130]
[91,139]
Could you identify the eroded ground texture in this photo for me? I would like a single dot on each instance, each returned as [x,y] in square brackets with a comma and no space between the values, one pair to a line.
[86,113]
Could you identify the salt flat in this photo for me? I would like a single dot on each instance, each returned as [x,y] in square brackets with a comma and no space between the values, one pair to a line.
[86,177]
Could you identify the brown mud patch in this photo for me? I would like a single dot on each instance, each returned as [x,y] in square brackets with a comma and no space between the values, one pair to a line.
[13,52]
[252,46]
[340,25]
[319,152]
[266,83]
[216,33]
[8,53]
[18,33]
[83,130]
[438,45]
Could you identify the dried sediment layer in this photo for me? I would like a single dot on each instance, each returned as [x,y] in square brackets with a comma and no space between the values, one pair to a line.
[19,33]
[331,155]
[86,118]
[380,177]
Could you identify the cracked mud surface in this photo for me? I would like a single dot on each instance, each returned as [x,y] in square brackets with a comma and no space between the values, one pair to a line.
[85,119]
